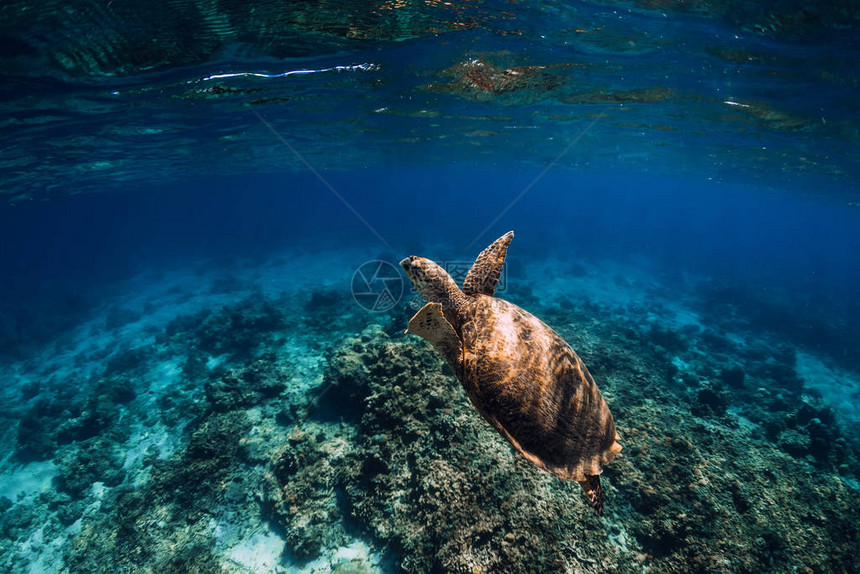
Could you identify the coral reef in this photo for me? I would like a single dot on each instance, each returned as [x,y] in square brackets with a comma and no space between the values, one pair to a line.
[368,438]
[185,489]
[302,490]
[427,477]
[238,329]
[229,389]
[424,474]
[65,413]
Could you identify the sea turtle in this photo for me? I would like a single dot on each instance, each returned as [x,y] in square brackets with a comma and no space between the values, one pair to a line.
[525,380]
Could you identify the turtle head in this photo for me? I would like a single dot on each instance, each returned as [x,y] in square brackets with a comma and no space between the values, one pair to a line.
[429,279]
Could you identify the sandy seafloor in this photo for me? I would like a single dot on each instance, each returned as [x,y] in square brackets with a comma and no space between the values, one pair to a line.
[255,418]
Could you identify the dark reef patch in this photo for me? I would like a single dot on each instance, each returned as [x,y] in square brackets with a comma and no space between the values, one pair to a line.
[330,310]
[711,402]
[230,389]
[71,411]
[171,511]
[670,340]
[237,330]
[816,323]
[97,461]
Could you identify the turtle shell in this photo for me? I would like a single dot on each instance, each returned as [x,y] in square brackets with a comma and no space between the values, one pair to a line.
[530,385]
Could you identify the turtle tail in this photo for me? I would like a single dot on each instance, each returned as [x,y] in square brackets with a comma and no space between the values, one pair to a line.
[594,492]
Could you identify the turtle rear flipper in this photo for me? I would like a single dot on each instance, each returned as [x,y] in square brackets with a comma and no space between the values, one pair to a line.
[590,483]
[593,491]
[485,272]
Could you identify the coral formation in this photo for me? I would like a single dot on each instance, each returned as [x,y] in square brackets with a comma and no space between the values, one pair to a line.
[182,490]
[238,329]
[229,389]
[368,438]
[426,477]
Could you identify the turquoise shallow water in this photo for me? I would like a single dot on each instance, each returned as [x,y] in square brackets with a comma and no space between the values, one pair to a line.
[202,348]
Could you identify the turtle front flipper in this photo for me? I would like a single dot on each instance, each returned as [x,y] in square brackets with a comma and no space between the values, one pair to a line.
[593,491]
[430,324]
[485,272]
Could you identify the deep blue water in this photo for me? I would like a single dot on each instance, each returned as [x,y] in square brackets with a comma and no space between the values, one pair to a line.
[800,241]
[182,213]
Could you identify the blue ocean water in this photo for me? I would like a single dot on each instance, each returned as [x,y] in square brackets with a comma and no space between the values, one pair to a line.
[201,339]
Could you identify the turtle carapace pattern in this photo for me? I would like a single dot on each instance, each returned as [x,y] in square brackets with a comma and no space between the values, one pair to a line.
[523,378]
